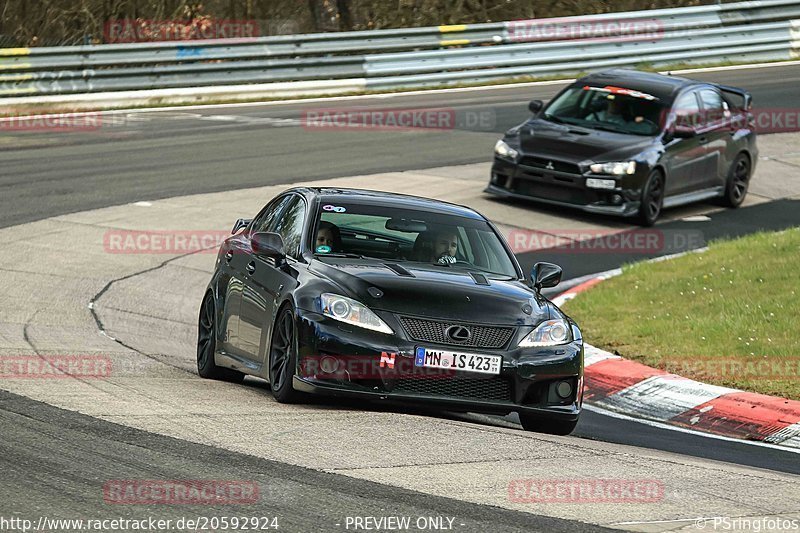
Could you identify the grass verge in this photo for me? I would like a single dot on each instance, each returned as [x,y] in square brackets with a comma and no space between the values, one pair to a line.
[728,316]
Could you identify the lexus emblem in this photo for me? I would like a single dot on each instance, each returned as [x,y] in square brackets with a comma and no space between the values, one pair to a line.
[550,166]
[458,333]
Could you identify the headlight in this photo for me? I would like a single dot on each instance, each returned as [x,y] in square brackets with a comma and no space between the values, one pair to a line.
[548,333]
[352,312]
[619,168]
[502,149]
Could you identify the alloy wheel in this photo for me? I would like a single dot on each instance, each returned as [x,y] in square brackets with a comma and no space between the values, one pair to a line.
[282,347]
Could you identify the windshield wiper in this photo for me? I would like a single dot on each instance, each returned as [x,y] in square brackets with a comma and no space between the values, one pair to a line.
[604,127]
[553,118]
[345,254]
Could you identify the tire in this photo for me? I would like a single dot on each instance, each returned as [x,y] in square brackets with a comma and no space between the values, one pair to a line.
[207,345]
[545,425]
[283,358]
[738,182]
[652,199]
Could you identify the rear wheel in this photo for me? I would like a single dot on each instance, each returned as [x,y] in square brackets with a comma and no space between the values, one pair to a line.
[207,344]
[546,425]
[652,199]
[738,182]
[283,358]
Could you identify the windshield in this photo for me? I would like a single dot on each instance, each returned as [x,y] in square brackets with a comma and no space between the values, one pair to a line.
[607,108]
[410,236]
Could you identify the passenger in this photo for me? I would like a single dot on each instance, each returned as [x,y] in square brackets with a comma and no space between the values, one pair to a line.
[328,234]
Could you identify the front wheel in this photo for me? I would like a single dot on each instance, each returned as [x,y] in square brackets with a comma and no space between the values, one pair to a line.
[652,199]
[283,358]
[738,182]
[545,425]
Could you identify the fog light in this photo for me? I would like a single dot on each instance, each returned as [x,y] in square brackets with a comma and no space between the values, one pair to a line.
[329,365]
[616,199]
[564,389]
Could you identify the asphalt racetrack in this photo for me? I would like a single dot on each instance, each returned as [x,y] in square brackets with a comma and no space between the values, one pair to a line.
[53,459]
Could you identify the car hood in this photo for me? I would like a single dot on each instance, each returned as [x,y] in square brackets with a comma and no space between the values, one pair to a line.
[435,292]
[578,145]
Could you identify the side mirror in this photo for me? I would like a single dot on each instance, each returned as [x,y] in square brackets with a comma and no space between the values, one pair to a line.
[535,106]
[545,275]
[681,131]
[267,245]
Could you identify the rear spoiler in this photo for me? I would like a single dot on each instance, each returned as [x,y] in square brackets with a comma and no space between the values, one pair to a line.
[744,95]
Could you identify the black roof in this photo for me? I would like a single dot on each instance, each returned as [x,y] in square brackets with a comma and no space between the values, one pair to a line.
[368,197]
[665,88]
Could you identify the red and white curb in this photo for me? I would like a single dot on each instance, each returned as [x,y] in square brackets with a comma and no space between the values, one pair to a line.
[632,389]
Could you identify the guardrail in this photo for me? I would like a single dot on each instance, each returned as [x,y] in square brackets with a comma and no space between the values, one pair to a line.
[414,57]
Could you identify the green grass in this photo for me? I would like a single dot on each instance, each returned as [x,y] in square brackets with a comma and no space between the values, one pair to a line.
[729,316]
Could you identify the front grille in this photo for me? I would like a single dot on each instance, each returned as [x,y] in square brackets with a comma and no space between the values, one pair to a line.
[493,388]
[543,163]
[436,331]
[558,193]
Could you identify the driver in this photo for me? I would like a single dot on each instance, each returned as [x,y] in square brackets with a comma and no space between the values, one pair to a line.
[617,113]
[613,112]
[437,246]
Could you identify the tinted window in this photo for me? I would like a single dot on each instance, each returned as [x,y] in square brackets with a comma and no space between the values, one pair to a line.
[713,106]
[290,225]
[607,108]
[711,100]
[686,110]
[266,220]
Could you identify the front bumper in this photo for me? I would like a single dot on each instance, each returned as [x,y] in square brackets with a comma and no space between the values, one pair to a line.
[526,382]
[514,180]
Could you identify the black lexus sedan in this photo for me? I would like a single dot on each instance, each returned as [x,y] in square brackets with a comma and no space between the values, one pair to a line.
[356,293]
[630,143]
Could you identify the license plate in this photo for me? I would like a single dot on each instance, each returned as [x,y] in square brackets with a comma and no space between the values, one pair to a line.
[595,183]
[469,362]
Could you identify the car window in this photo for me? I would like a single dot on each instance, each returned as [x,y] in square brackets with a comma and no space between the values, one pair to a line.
[266,220]
[713,106]
[687,111]
[411,236]
[607,108]
[290,225]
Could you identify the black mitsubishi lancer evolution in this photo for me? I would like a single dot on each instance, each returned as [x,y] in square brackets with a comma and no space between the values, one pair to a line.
[386,297]
[631,143]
